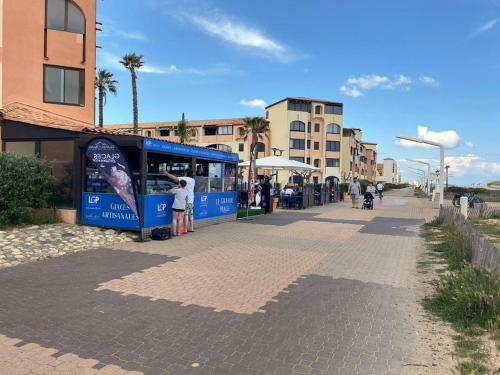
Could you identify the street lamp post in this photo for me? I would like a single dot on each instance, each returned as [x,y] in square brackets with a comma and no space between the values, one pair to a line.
[441,162]
[428,173]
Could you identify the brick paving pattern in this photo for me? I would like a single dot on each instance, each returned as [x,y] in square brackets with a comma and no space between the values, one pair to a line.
[330,290]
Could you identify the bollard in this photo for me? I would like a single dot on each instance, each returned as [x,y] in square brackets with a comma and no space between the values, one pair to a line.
[464,205]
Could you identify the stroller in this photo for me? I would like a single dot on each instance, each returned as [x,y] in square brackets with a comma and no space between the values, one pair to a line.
[368,201]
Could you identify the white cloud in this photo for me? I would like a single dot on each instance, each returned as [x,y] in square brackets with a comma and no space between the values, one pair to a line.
[350,91]
[358,86]
[448,138]
[472,166]
[234,32]
[429,81]
[469,144]
[486,27]
[111,28]
[254,103]
[112,62]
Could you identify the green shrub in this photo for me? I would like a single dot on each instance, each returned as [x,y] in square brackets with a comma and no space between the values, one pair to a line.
[26,183]
[242,213]
[468,297]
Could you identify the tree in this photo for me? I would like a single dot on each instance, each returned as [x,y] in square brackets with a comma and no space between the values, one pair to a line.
[133,62]
[104,83]
[183,131]
[258,129]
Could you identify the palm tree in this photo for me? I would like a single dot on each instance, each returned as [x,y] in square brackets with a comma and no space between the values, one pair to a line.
[104,82]
[183,131]
[258,129]
[133,62]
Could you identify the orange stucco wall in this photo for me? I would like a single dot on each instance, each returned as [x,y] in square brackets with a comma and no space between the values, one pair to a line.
[23,56]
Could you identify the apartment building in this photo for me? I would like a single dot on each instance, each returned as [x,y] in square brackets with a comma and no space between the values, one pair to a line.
[359,158]
[310,131]
[301,129]
[391,171]
[226,135]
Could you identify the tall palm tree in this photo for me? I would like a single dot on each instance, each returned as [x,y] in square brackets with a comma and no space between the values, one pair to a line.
[258,129]
[183,131]
[104,83]
[133,62]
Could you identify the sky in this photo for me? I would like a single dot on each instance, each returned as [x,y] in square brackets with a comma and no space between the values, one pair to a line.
[420,68]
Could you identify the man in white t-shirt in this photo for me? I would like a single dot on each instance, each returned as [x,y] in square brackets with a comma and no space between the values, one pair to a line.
[190,182]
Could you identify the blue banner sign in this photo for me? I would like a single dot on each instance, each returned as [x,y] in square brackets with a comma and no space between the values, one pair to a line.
[113,166]
[214,205]
[108,211]
[111,211]
[184,150]
[158,213]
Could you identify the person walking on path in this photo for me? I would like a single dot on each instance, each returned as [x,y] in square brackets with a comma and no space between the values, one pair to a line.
[179,207]
[380,189]
[190,183]
[355,192]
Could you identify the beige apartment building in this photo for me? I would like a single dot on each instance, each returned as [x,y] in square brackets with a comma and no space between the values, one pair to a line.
[359,158]
[301,129]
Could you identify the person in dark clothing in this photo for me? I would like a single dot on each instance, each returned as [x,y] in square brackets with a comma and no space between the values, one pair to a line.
[266,195]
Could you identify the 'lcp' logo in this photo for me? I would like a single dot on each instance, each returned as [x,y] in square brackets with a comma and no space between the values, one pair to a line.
[161,207]
[204,198]
[94,199]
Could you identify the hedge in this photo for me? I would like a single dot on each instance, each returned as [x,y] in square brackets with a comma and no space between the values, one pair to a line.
[26,183]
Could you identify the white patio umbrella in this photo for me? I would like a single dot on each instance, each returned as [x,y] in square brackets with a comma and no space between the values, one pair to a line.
[280,164]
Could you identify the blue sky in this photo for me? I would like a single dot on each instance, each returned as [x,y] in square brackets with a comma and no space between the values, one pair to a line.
[414,67]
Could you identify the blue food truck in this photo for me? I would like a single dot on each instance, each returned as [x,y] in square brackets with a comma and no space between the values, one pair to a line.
[105,205]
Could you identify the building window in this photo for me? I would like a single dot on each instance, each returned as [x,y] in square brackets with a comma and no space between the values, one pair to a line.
[334,109]
[308,160]
[60,154]
[299,106]
[317,163]
[297,126]
[164,132]
[267,115]
[332,146]
[308,144]
[64,86]
[332,163]
[210,130]
[316,145]
[317,110]
[297,144]
[297,158]
[65,15]
[316,128]
[148,133]
[221,147]
[224,130]
[20,148]
[261,147]
[333,129]
[241,147]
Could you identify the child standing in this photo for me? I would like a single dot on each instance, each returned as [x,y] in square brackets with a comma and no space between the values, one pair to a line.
[179,207]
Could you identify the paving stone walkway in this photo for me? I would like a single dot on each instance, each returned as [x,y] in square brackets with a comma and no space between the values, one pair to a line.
[329,290]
